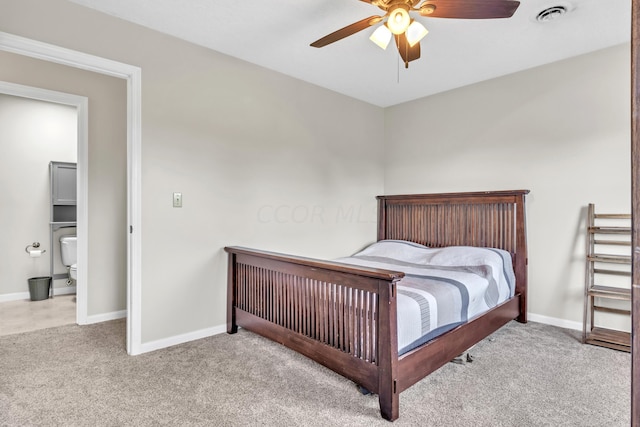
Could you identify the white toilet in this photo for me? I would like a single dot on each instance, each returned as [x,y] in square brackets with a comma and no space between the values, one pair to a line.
[69,255]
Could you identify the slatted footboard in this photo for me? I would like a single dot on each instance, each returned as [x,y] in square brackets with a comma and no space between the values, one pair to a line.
[340,316]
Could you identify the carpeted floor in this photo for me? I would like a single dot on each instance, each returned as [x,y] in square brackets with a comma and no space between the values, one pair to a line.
[524,375]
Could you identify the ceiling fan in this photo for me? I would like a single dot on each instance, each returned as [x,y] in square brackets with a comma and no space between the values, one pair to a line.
[408,32]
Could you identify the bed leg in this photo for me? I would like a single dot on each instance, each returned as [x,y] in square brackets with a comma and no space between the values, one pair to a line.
[388,394]
[232,326]
[389,404]
[522,318]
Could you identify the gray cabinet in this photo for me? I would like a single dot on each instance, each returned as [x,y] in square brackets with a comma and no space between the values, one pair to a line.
[63,192]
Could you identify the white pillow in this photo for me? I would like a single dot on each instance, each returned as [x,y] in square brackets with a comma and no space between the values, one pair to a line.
[396,249]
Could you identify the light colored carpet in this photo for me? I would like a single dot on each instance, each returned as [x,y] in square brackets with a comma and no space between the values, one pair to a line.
[524,375]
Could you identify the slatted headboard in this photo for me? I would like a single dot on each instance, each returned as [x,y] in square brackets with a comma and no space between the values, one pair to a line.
[493,219]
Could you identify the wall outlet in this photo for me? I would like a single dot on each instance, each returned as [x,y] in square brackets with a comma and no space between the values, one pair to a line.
[177,200]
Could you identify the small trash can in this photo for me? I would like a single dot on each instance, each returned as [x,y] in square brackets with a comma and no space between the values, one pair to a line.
[39,288]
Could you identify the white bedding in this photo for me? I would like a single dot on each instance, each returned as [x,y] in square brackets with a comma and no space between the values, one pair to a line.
[442,287]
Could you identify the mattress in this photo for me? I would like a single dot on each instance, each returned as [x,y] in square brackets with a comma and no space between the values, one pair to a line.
[442,287]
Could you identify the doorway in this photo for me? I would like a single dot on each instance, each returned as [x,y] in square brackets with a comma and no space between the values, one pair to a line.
[132,76]
[40,126]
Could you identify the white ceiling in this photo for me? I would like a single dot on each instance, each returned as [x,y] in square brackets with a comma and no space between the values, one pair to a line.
[276,34]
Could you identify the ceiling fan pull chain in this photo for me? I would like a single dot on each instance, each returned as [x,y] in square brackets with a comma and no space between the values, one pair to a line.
[406,55]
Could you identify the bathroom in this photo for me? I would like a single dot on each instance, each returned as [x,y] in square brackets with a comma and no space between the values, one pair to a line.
[101,126]
[33,133]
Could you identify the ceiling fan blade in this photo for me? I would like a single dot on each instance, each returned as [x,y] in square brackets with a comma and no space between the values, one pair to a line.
[347,31]
[469,9]
[407,53]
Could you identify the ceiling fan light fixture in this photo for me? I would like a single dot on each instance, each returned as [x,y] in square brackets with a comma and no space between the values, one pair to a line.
[381,36]
[415,33]
[399,20]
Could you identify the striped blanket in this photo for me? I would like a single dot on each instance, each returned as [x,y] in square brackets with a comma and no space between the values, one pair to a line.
[442,287]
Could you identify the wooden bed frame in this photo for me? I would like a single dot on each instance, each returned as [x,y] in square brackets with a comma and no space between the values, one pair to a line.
[344,317]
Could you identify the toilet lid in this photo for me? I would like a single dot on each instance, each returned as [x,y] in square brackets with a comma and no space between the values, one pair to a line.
[74,266]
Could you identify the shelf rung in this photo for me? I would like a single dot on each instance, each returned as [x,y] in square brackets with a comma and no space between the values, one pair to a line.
[610,292]
[612,242]
[617,340]
[609,230]
[611,310]
[611,272]
[613,216]
[616,259]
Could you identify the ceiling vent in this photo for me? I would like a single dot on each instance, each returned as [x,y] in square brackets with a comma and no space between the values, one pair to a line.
[551,13]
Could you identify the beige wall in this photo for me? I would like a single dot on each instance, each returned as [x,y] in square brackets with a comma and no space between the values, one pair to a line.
[261,160]
[106,287]
[32,134]
[561,131]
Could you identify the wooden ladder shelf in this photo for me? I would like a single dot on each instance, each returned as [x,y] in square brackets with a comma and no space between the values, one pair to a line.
[601,268]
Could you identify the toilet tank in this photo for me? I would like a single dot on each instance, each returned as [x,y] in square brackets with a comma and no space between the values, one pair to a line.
[68,250]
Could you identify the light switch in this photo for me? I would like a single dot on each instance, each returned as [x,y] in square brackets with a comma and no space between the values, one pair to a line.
[177,200]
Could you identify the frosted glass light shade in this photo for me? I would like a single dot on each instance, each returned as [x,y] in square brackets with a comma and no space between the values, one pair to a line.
[415,33]
[381,36]
[398,20]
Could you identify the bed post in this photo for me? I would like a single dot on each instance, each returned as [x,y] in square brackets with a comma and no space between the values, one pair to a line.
[521,256]
[232,326]
[388,393]
[382,218]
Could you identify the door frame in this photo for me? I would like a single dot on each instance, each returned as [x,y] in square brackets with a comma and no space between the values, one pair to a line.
[635,213]
[133,76]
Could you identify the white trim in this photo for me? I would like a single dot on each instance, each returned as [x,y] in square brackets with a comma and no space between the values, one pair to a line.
[66,290]
[18,296]
[81,103]
[105,317]
[554,321]
[60,55]
[181,339]
[42,94]
[134,209]
[15,297]
[82,225]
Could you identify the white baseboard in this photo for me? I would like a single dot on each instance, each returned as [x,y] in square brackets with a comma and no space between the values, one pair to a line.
[553,321]
[15,297]
[208,332]
[181,339]
[97,318]
[26,295]
[67,290]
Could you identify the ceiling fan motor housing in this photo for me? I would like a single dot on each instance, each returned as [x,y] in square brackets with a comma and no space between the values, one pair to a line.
[388,5]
